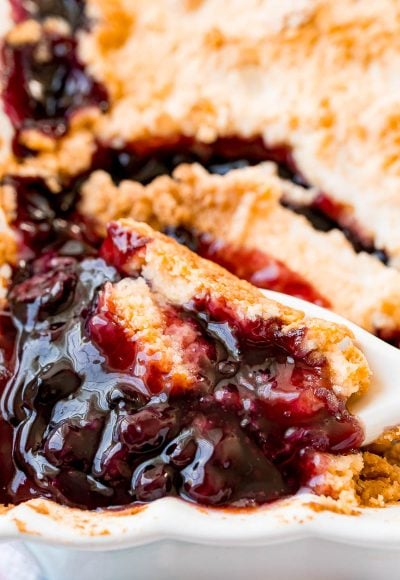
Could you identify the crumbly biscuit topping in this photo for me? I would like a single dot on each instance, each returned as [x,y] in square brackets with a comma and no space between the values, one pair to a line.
[378,483]
[226,71]
[243,207]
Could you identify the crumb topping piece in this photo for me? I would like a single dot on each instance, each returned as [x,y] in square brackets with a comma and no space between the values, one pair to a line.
[242,212]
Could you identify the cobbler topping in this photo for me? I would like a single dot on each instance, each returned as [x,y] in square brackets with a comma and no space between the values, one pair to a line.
[144,161]
[252,265]
[45,84]
[93,417]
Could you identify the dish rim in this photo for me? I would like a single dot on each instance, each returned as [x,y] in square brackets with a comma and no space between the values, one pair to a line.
[299,517]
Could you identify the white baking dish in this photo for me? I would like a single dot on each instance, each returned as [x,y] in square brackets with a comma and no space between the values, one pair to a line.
[171,539]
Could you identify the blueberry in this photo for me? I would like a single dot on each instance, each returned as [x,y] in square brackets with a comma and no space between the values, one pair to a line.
[70,443]
[50,292]
[153,481]
[149,428]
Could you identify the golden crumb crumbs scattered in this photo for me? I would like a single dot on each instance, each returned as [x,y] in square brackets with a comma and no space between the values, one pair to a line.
[378,483]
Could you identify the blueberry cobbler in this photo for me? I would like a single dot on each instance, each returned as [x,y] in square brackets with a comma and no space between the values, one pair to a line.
[160,162]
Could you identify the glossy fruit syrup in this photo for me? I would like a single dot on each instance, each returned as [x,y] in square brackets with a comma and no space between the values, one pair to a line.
[45,84]
[89,419]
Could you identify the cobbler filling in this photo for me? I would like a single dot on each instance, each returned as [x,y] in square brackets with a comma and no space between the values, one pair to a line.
[47,221]
[72,11]
[143,161]
[91,420]
[45,84]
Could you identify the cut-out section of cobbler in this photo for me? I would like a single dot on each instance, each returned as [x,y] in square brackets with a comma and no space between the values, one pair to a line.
[99,418]
[45,84]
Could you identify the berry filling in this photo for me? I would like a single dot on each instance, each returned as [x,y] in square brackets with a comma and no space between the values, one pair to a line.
[46,221]
[341,215]
[45,84]
[143,161]
[390,336]
[72,11]
[95,426]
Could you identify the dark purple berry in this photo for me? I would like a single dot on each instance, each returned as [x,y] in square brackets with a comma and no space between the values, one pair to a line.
[153,481]
[149,428]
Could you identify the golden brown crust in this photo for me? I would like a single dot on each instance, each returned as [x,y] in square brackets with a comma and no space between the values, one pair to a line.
[8,239]
[252,73]
[258,72]
[243,208]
